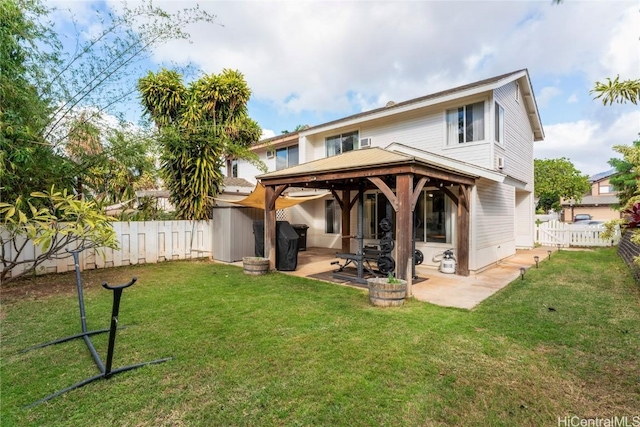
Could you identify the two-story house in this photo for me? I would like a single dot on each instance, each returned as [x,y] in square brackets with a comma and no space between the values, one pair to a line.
[601,202]
[453,169]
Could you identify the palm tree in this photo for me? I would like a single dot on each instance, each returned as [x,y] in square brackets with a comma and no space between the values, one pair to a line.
[199,127]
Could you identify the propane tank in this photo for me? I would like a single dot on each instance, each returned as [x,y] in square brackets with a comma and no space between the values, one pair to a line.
[448,263]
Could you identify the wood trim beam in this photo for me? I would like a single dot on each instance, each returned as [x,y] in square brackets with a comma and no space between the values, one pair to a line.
[451,195]
[277,193]
[338,199]
[404,227]
[417,191]
[355,199]
[465,192]
[382,186]
[270,225]
[463,232]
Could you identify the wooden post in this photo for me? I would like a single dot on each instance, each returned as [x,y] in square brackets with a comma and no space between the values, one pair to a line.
[404,224]
[270,226]
[463,231]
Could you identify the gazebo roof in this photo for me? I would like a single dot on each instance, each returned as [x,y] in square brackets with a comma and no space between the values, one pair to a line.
[364,163]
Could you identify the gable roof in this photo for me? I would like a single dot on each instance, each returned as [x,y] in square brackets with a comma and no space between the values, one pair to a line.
[602,175]
[522,76]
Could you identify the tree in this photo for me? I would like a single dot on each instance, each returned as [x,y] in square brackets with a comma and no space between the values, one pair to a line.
[627,177]
[28,162]
[617,91]
[45,87]
[298,128]
[199,126]
[60,222]
[557,179]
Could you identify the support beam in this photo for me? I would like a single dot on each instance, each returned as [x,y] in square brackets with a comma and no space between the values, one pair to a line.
[417,191]
[463,231]
[404,225]
[449,193]
[345,207]
[386,191]
[270,224]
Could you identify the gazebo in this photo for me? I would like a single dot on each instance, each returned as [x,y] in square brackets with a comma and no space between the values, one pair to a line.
[400,177]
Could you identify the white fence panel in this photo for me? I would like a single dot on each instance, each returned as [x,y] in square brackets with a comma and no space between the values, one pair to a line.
[554,233]
[140,243]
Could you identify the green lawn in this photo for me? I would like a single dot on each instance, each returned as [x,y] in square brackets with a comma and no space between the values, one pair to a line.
[280,350]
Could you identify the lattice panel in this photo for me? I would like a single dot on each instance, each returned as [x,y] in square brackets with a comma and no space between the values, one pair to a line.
[281,215]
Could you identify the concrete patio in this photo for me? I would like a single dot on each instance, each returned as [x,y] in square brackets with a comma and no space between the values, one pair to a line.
[447,290]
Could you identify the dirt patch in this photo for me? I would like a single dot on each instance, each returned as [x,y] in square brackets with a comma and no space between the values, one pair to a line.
[48,285]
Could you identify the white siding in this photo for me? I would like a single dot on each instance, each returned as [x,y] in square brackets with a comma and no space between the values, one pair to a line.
[312,214]
[518,146]
[492,223]
[249,171]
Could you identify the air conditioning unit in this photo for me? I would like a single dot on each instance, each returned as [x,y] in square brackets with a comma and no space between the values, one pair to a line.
[365,142]
[271,154]
[500,161]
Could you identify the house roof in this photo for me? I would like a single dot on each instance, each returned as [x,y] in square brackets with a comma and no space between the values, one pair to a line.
[237,182]
[602,175]
[449,94]
[594,201]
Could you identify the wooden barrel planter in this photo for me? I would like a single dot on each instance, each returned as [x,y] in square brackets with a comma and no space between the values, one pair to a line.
[385,294]
[255,265]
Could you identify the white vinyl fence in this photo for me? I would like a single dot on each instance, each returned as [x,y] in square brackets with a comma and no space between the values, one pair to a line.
[553,233]
[140,243]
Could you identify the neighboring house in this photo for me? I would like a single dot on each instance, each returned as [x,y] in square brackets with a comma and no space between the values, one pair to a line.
[600,203]
[467,152]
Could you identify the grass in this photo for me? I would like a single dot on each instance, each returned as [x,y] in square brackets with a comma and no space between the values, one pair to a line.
[280,350]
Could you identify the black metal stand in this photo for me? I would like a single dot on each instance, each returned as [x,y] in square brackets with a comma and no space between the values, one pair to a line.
[83,318]
[105,371]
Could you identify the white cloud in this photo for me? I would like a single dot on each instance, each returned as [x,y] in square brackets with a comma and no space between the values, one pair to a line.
[267,133]
[623,55]
[588,144]
[309,60]
[546,94]
[333,55]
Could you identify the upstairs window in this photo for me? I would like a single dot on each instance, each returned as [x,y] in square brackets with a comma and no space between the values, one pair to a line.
[499,123]
[342,143]
[286,157]
[465,124]
[232,168]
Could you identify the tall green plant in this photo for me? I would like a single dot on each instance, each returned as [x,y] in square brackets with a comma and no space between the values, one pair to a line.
[557,179]
[627,176]
[45,88]
[199,127]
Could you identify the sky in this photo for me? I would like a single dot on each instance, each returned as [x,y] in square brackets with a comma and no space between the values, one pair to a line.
[309,62]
